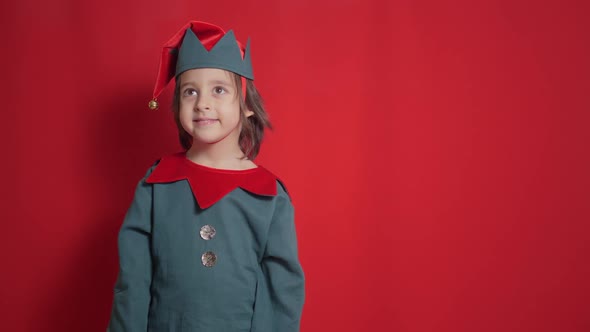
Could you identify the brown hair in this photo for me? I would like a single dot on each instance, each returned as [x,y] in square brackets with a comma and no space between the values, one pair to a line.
[252,127]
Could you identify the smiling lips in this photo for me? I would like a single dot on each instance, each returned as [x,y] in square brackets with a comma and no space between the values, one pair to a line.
[204,121]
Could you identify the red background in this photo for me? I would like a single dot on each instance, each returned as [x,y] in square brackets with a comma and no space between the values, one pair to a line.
[436,151]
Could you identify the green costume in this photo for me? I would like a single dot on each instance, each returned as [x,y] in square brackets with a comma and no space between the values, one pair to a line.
[206,250]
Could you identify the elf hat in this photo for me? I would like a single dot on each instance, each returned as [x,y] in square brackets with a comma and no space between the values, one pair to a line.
[202,45]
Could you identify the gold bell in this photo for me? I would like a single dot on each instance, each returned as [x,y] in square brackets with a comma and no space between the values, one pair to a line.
[153,104]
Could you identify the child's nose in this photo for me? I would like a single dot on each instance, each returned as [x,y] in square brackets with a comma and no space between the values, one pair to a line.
[203,103]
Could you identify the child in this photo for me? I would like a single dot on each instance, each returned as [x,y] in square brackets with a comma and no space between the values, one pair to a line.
[209,241]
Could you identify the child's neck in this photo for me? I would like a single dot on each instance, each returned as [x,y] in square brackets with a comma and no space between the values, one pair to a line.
[215,156]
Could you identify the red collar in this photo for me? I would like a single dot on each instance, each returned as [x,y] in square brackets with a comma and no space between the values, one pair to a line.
[209,185]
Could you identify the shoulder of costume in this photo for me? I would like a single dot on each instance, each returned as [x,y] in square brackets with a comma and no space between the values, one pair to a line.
[279,183]
[284,187]
[150,170]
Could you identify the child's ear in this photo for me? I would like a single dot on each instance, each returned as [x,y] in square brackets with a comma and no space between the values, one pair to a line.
[248,113]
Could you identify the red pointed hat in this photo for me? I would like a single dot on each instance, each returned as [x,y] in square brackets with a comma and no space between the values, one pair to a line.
[201,45]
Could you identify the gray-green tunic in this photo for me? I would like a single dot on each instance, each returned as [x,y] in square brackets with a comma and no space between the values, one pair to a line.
[256,284]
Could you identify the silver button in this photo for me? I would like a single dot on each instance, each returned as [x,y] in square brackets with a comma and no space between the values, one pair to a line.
[209,258]
[207,232]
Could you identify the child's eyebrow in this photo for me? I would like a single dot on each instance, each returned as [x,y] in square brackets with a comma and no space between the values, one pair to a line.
[220,82]
[210,82]
[185,84]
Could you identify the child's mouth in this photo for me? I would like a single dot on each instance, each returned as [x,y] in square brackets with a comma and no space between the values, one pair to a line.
[205,122]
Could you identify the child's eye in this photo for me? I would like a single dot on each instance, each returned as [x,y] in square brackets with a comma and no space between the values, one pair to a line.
[219,90]
[189,92]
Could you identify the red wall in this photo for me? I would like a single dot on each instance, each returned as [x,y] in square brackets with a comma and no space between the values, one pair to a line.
[437,153]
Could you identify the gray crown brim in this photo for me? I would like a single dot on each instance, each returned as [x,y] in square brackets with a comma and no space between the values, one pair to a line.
[224,55]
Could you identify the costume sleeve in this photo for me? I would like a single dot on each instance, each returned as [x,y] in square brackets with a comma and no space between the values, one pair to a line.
[283,271]
[132,289]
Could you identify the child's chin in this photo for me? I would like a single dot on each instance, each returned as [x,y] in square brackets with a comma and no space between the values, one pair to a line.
[203,139]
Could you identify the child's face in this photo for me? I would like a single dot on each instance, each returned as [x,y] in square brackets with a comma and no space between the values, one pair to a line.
[209,108]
